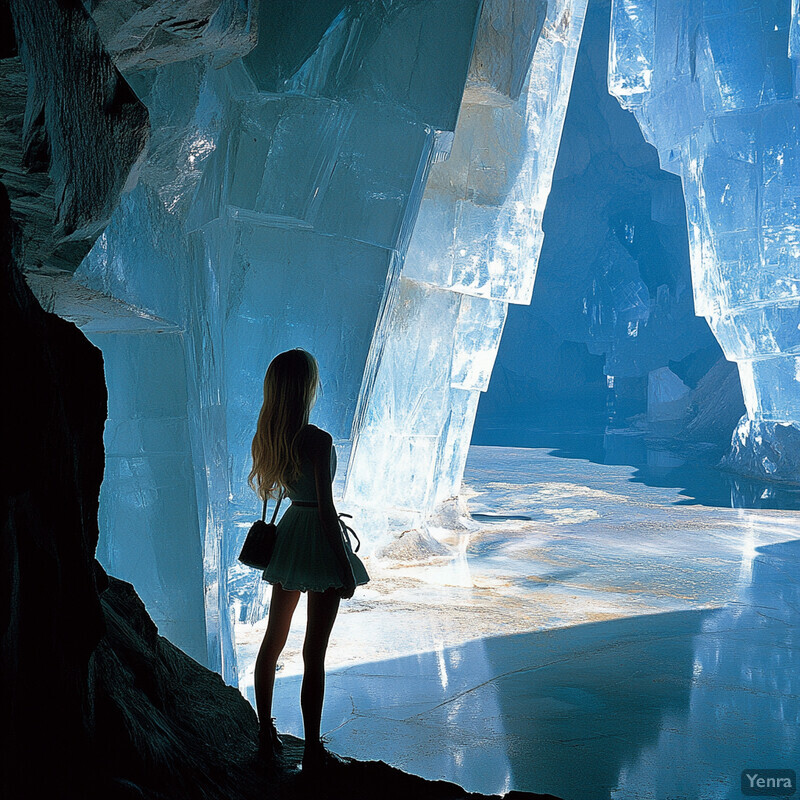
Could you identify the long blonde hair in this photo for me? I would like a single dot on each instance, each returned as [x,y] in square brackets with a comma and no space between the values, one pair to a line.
[290,388]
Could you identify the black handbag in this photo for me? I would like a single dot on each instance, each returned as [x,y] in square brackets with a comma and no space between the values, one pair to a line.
[260,541]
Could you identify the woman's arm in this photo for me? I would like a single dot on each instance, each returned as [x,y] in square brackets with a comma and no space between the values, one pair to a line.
[320,444]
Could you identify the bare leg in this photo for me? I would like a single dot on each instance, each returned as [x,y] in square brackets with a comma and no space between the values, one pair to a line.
[281,609]
[322,608]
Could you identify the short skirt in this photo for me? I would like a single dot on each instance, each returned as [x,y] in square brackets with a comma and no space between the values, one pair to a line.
[303,558]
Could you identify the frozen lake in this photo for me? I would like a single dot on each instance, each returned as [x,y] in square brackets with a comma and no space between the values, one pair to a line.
[604,631]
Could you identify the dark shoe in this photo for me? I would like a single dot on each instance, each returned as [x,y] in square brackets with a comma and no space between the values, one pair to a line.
[269,743]
[316,758]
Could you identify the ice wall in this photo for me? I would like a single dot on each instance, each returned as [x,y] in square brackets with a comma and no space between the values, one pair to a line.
[474,249]
[613,288]
[714,86]
[277,199]
[150,534]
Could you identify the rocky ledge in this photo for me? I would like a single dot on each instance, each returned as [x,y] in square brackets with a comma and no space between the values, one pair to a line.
[172,729]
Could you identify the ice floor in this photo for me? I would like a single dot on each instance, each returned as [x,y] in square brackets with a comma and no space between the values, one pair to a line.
[606,631]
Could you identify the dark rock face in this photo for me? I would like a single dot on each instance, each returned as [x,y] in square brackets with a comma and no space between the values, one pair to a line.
[8,44]
[82,121]
[31,193]
[163,722]
[717,405]
[51,616]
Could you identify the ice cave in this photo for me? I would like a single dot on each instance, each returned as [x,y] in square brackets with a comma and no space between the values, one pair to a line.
[547,255]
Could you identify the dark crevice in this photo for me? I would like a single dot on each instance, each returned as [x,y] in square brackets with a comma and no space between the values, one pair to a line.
[8,42]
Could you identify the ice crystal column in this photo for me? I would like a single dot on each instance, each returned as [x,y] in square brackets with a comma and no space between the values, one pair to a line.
[474,250]
[277,195]
[714,87]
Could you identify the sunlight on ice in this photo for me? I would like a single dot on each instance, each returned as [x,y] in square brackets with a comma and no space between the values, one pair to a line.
[729,124]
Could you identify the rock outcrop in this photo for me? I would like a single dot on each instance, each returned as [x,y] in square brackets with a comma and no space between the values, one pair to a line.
[82,122]
[716,405]
[55,403]
[164,723]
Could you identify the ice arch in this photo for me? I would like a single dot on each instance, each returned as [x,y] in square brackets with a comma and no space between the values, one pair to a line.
[613,292]
[715,88]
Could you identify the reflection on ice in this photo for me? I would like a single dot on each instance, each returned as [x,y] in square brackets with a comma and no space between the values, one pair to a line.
[742,707]
[621,633]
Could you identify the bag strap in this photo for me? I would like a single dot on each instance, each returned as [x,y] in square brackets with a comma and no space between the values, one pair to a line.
[347,530]
[275,512]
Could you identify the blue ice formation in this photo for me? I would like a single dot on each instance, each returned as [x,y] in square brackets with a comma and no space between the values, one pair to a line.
[613,294]
[357,184]
[473,251]
[715,88]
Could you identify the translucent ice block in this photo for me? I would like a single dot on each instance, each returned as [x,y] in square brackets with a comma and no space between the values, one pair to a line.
[148,520]
[274,210]
[473,250]
[738,152]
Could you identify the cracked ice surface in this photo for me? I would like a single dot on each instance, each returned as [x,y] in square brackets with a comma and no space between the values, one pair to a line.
[594,615]
[715,88]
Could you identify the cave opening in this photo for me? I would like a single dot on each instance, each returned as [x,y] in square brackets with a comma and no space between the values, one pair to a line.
[548,265]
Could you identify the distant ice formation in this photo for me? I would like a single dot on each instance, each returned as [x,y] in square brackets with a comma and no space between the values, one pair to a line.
[715,87]
[612,300]
[667,396]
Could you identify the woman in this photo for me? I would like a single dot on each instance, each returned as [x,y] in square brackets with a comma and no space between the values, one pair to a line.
[299,460]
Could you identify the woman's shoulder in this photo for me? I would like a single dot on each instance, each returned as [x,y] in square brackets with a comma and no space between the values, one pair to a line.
[315,439]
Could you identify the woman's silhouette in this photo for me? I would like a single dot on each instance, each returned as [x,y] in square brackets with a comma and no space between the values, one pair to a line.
[299,459]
